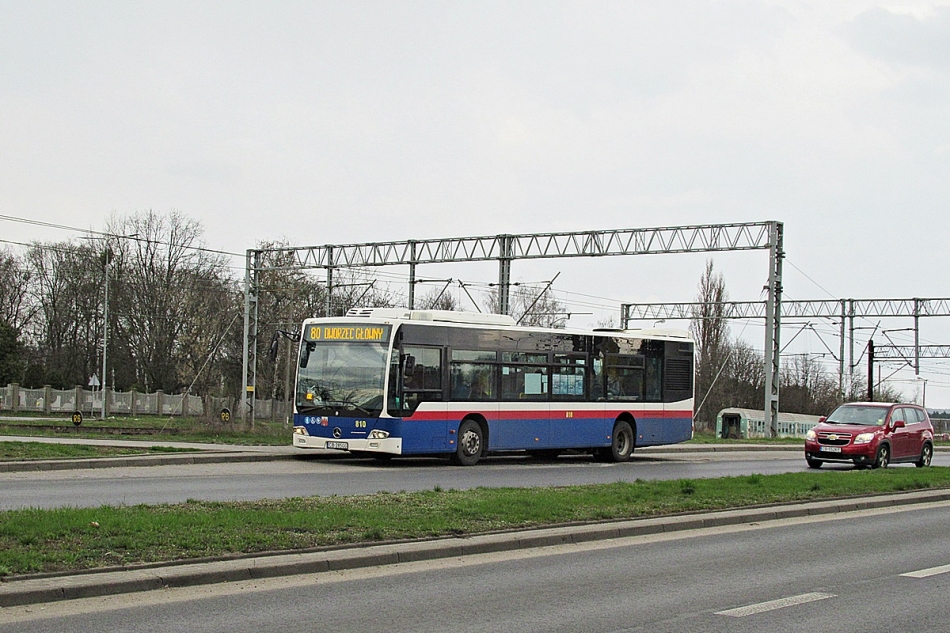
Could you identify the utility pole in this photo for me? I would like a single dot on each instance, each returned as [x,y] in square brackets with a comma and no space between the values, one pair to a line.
[105,329]
[870,370]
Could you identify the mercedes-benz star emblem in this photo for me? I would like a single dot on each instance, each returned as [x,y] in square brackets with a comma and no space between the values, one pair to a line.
[337,432]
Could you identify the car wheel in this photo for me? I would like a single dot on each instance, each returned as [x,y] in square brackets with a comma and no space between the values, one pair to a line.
[814,463]
[471,442]
[883,457]
[926,456]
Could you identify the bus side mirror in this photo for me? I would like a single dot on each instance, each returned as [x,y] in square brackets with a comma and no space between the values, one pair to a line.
[305,350]
[274,346]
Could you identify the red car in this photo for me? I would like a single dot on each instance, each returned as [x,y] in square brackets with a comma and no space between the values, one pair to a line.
[872,434]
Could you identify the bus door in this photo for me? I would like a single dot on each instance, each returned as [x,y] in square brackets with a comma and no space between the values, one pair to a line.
[574,424]
[525,402]
[473,376]
[420,397]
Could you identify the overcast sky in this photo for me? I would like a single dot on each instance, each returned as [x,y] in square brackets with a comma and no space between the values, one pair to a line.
[342,122]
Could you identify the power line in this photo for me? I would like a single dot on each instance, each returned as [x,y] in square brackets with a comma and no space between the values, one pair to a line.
[64,227]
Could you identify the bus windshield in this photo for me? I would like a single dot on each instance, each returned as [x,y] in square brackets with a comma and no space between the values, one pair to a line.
[341,377]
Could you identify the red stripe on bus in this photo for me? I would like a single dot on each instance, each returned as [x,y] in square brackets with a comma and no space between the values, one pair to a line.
[543,413]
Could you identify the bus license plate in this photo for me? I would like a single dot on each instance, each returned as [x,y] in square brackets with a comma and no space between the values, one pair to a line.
[342,446]
[831,449]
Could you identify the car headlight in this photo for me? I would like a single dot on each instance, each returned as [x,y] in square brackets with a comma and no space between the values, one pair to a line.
[811,436]
[376,434]
[863,438]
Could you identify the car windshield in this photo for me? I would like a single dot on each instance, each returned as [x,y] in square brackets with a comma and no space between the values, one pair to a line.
[865,415]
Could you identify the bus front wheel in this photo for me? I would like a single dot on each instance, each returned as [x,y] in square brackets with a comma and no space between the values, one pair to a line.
[470,444]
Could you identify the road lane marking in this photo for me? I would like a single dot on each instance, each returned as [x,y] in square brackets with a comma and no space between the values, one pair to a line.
[924,573]
[771,605]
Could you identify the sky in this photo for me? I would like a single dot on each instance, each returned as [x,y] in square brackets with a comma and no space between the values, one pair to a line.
[347,122]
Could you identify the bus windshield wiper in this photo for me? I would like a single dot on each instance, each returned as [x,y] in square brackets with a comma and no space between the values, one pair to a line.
[351,404]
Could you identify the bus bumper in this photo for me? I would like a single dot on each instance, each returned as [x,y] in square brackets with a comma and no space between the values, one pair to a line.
[391,445]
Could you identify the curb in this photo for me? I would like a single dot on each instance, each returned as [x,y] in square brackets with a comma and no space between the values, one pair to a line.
[218,457]
[25,591]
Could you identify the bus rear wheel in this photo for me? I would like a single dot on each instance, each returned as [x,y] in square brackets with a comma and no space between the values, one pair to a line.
[470,444]
[621,444]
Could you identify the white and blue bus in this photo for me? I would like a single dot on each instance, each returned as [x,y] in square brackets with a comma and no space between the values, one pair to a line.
[383,382]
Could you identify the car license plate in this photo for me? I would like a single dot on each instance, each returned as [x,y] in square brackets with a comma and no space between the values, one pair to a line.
[831,449]
[342,446]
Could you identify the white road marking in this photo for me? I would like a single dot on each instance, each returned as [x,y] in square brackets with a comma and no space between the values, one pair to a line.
[771,605]
[924,573]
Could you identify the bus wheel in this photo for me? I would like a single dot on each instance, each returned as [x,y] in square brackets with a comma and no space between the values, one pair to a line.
[471,441]
[621,445]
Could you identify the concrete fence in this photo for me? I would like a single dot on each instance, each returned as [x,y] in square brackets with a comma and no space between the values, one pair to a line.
[48,400]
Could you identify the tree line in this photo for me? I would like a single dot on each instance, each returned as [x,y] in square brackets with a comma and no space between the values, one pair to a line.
[174,316]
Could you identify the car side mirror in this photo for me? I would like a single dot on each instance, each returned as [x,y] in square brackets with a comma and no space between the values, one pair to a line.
[899,424]
[822,419]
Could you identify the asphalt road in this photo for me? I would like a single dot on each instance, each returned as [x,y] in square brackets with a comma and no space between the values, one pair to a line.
[322,476]
[846,572]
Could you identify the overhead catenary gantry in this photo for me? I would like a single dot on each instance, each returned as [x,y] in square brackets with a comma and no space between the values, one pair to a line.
[506,248]
[842,310]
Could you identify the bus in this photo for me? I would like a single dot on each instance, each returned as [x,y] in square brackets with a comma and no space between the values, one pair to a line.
[384,382]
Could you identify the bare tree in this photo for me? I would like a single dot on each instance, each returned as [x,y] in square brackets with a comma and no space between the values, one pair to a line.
[744,377]
[164,281]
[67,289]
[11,362]
[711,332]
[16,309]
[438,298]
[807,387]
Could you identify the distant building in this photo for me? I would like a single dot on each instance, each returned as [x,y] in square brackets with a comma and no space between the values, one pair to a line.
[738,423]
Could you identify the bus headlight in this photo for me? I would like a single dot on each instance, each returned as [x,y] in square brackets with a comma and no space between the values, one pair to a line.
[376,434]
[300,430]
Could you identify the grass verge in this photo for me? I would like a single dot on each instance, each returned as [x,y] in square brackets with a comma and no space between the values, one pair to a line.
[72,539]
[20,451]
[153,428]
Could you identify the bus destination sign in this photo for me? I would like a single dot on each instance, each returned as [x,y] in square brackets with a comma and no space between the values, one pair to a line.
[361,333]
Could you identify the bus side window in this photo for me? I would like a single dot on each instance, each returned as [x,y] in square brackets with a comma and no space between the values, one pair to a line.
[473,375]
[625,375]
[569,378]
